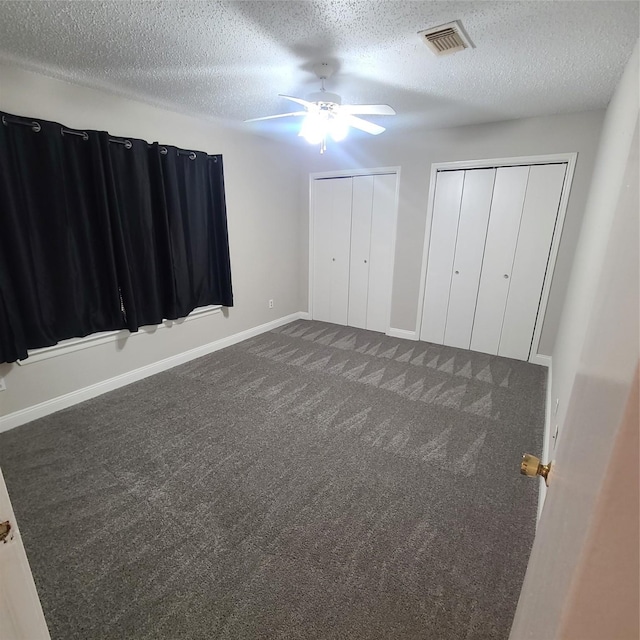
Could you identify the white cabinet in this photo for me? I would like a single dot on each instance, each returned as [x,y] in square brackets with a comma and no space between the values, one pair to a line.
[353,228]
[491,237]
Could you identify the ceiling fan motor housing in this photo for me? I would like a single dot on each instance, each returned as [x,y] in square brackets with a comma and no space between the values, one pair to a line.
[324,96]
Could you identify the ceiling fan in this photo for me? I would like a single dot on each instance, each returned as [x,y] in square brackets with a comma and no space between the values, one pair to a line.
[325,115]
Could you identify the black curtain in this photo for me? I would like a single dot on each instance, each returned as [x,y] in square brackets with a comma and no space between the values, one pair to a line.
[58,275]
[194,183]
[100,233]
[146,265]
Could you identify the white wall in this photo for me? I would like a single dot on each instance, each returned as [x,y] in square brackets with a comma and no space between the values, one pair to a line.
[263,206]
[605,590]
[415,151]
[608,174]
[582,578]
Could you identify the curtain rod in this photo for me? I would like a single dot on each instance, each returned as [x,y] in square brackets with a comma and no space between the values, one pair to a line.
[85,136]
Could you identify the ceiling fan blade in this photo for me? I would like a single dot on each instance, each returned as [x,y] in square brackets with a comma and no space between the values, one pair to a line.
[280,115]
[363,125]
[304,103]
[368,110]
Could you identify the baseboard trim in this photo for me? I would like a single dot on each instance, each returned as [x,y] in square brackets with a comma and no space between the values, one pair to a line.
[42,409]
[546,442]
[540,359]
[305,315]
[402,333]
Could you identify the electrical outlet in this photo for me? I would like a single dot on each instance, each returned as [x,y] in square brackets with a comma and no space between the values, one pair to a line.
[270,304]
[3,385]
[555,411]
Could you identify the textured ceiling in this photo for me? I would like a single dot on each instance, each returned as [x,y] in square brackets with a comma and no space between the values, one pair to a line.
[230,59]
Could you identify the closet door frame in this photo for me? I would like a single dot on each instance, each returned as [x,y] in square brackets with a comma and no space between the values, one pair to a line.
[351,173]
[570,160]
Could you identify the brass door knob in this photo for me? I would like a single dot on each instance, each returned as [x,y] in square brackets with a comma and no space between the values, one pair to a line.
[5,531]
[531,466]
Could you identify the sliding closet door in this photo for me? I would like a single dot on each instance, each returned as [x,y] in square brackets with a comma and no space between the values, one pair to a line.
[472,231]
[362,206]
[500,248]
[442,243]
[539,216]
[331,249]
[381,253]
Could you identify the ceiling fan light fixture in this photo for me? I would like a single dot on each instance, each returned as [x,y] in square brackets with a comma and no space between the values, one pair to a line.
[313,128]
[326,117]
[338,129]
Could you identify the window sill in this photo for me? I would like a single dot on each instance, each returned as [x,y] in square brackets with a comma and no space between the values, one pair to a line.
[77,344]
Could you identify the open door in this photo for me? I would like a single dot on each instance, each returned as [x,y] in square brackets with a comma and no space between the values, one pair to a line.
[21,616]
[582,578]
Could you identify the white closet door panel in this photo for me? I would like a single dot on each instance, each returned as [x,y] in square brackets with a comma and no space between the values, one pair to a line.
[442,242]
[362,203]
[502,235]
[322,205]
[340,249]
[381,254]
[331,240]
[532,254]
[472,232]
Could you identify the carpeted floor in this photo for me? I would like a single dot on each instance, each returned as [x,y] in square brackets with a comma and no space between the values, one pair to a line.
[315,482]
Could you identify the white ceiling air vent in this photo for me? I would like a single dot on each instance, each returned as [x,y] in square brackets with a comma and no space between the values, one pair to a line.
[446,38]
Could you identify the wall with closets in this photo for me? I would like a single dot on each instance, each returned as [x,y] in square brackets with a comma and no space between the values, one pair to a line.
[415,150]
[263,206]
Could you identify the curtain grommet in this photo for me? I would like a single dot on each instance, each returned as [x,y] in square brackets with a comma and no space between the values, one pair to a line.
[82,134]
[35,126]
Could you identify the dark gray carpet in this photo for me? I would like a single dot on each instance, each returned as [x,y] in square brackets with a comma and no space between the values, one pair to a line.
[314,482]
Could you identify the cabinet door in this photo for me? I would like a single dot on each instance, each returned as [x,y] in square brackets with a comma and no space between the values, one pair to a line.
[442,243]
[472,233]
[500,248]
[381,253]
[331,248]
[532,256]
[362,204]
